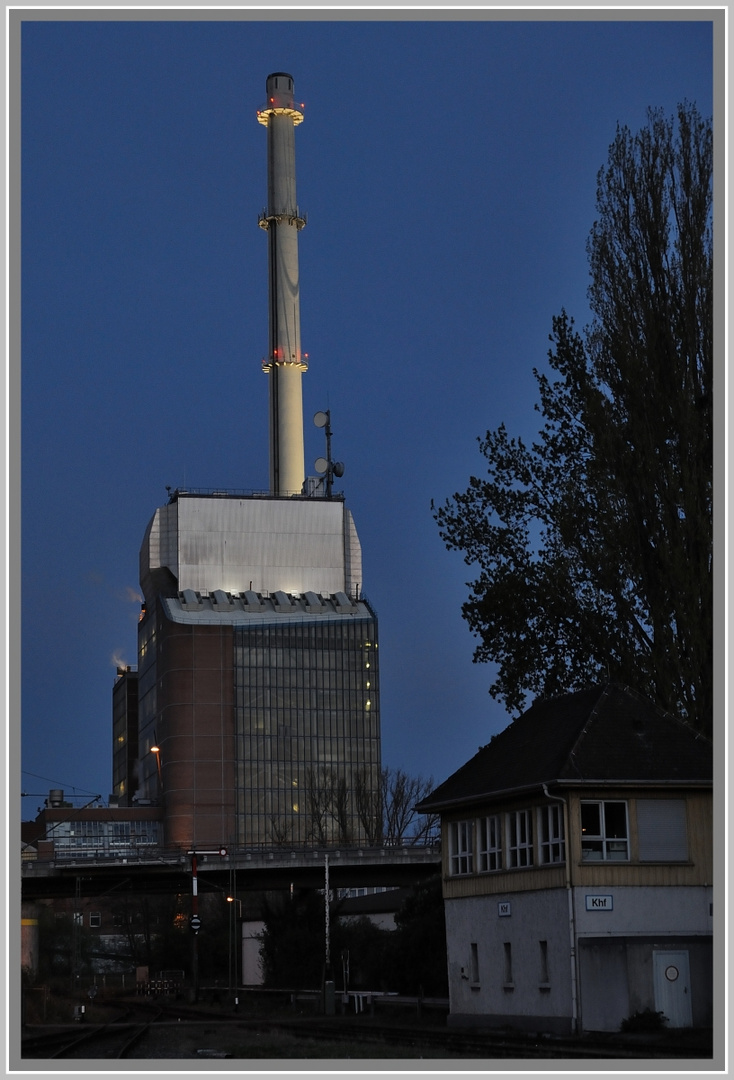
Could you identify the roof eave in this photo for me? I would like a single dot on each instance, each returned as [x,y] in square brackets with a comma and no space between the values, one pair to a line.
[506,793]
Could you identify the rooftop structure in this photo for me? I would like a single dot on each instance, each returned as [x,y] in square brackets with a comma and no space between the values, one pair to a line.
[235,543]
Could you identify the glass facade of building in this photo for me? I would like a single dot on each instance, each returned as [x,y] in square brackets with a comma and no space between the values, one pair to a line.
[148,781]
[125,734]
[95,839]
[307,729]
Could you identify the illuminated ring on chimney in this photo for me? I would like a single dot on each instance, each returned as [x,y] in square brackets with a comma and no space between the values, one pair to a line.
[264,114]
[265,219]
[270,362]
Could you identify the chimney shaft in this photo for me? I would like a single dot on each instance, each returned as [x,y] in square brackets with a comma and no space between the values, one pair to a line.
[285,362]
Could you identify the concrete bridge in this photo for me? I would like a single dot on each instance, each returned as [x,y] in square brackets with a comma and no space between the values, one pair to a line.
[252,870]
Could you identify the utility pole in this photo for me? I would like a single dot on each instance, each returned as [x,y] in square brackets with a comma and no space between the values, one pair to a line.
[230,900]
[194,920]
[326,916]
[328,981]
[76,943]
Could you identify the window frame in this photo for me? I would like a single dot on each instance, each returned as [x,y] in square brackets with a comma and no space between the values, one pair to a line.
[608,845]
[551,835]
[544,980]
[474,948]
[508,980]
[461,847]
[520,853]
[489,827]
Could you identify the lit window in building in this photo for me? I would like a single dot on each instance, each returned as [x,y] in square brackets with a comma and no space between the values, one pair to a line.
[604,832]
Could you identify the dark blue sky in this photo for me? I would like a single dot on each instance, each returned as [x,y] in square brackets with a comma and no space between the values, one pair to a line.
[448,171]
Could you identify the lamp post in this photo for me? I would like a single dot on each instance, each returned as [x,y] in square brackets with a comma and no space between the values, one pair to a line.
[232,940]
[155,749]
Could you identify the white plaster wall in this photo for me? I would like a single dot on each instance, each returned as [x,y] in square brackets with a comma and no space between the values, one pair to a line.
[544,915]
[251,971]
[646,910]
[535,916]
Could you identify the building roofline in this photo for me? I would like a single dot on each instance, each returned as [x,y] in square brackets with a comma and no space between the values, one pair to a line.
[240,609]
[426,806]
[248,493]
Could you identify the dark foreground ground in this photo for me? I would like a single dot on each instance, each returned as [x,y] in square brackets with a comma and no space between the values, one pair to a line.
[253,1032]
[382,1040]
[213,1041]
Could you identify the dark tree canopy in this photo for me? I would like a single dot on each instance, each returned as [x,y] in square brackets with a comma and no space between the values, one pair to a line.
[417,962]
[594,545]
[410,959]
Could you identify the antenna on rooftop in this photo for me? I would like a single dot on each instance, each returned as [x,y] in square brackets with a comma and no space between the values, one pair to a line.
[326,465]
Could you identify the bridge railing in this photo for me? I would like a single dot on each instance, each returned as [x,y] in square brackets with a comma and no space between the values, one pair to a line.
[151,854]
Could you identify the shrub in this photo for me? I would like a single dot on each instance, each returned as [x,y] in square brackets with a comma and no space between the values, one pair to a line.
[644,1020]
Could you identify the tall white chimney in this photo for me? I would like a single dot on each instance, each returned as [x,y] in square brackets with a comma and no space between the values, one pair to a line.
[285,362]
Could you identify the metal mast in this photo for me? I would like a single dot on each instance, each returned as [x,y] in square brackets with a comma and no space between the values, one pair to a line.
[285,362]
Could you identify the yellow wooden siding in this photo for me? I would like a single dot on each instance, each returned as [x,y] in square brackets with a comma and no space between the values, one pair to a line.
[501,881]
[697,870]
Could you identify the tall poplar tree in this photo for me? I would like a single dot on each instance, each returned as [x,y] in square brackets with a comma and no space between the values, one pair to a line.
[594,544]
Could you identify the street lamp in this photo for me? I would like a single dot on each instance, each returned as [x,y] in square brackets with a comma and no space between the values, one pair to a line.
[233,957]
[155,749]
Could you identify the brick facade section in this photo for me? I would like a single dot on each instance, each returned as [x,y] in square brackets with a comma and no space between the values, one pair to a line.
[195,729]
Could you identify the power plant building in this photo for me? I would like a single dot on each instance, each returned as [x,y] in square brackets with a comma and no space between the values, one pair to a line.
[258,673]
[125,733]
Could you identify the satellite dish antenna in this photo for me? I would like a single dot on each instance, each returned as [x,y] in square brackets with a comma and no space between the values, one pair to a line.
[326,465]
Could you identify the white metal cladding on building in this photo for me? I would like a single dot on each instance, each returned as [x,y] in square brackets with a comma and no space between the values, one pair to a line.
[262,544]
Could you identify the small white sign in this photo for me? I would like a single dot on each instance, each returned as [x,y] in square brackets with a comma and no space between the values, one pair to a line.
[599,903]
[504,908]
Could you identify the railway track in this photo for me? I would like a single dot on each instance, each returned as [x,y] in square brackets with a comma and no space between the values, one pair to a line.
[471,1043]
[119,1037]
[114,1039]
[484,1043]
